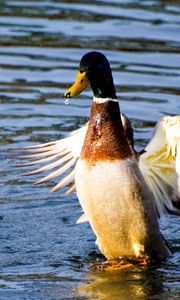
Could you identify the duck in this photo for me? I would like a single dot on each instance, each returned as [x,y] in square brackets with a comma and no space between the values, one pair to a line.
[122,193]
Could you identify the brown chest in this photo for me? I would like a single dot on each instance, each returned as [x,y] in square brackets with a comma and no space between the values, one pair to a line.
[105,139]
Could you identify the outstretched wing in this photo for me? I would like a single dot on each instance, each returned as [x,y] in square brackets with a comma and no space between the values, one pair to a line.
[160,164]
[57,157]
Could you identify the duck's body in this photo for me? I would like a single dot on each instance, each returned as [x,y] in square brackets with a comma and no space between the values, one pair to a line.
[112,191]
[121,193]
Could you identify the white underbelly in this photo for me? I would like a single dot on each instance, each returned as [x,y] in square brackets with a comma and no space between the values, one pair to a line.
[110,195]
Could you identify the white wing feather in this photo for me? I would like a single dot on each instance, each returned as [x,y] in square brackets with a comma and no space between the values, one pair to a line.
[160,163]
[82,219]
[58,157]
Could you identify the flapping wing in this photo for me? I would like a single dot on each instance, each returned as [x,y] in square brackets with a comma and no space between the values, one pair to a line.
[160,164]
[57,157]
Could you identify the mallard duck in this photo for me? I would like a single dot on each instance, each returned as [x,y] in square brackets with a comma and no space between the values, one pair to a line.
[122,193]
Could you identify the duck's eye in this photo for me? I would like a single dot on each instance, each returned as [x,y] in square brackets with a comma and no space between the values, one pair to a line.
[82,80]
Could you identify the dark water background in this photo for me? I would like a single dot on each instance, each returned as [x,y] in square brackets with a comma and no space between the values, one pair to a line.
[43,254]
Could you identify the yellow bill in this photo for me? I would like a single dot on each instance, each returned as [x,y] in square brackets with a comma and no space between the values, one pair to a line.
[80,84]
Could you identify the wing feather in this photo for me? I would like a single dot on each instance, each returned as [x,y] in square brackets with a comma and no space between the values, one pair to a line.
[60,155]
[160,162]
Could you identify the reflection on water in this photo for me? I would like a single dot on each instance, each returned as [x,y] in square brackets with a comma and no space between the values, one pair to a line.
[136,284]
[43,254]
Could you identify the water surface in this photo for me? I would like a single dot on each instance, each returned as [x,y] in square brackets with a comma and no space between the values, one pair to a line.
[43,254]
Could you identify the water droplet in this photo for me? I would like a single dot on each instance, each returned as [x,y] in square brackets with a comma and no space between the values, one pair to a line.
[66,101]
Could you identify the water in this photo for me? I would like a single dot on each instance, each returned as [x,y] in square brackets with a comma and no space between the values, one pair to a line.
[43,254]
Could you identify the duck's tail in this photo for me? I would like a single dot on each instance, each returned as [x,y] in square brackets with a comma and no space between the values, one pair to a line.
[160,165]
